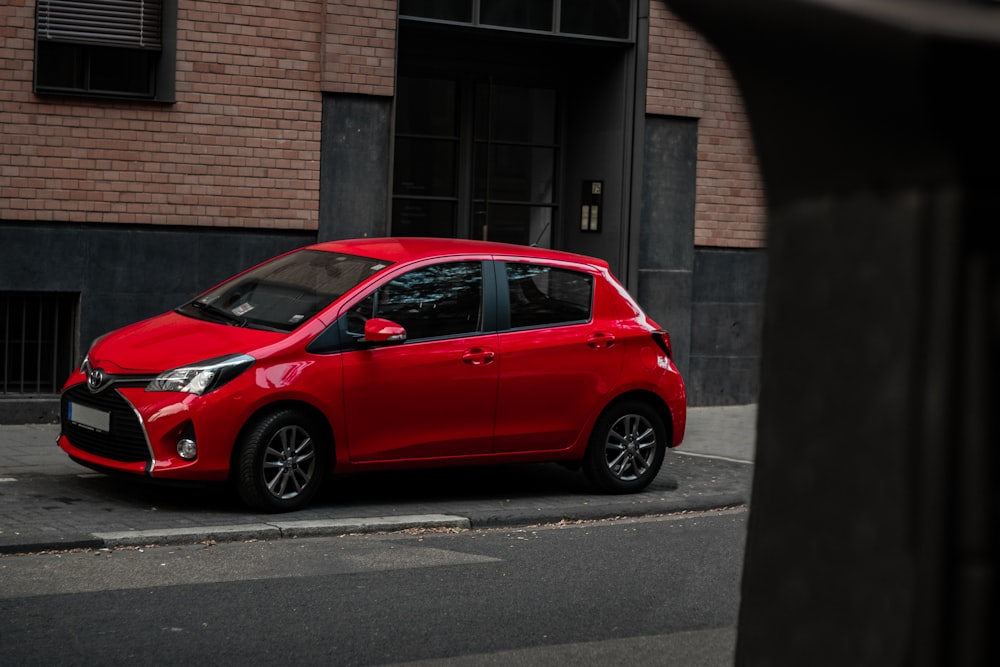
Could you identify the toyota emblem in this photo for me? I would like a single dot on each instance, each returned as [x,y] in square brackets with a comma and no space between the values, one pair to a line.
[95,379]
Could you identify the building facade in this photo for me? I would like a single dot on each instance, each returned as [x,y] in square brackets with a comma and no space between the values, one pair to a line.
[150,149]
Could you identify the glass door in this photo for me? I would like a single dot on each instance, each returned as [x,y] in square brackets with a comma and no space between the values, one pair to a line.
[475,159]
[515,155]
[425,193]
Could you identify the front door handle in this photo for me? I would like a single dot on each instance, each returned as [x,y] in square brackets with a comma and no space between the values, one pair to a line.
[478,356]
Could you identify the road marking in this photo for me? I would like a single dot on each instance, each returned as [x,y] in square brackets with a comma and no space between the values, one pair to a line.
[97,570]
[715,456]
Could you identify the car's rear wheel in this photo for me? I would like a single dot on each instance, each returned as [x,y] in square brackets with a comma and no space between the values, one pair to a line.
[281,461]
[626,447]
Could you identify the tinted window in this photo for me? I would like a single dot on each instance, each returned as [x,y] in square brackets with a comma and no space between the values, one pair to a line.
[603,18]
[449,10]
[542,295]
[435,301]
[90,69]
[532,14]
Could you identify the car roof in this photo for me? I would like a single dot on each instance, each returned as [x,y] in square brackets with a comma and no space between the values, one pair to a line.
[406,249]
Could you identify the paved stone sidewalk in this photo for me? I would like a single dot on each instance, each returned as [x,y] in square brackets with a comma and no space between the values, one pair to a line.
[49,502]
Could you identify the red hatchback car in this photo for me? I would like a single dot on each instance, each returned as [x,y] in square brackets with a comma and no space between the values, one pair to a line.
[383,353]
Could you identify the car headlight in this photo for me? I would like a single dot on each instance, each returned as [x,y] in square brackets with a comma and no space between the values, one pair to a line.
[202,377]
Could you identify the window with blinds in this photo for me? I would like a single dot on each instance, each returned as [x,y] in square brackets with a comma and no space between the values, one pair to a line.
[103,48]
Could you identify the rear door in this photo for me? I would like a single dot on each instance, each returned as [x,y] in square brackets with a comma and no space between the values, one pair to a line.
[557,360]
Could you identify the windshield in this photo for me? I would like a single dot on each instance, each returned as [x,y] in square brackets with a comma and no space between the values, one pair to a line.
[285,292]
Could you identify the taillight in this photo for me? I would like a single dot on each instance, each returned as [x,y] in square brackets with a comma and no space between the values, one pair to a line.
[662,340]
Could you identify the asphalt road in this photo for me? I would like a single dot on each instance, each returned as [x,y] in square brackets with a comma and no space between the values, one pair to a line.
[650,591]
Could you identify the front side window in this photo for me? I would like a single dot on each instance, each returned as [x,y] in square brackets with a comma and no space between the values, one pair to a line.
[284,292]
[546,296]
[443,300]
[105,48]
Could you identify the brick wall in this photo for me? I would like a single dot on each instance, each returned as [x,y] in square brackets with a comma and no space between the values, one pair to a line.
[686,77]
[359,47]
[240,148]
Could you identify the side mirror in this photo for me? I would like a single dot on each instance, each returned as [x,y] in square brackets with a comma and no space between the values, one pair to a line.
[379,331]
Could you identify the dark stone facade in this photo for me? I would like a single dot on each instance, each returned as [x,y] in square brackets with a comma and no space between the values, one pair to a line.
[124,274]
[708,298]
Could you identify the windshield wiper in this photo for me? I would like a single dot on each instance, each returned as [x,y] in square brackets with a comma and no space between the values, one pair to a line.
[220,313]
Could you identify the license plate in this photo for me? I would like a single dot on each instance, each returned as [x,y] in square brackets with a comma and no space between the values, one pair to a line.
[99,420]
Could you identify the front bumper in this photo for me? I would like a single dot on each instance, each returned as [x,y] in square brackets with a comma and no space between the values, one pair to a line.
[127,429]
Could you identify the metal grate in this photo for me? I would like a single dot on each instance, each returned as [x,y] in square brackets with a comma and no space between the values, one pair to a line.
[37,341]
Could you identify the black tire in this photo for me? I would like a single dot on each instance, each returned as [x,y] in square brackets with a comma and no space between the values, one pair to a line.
[281,462]
[626,447]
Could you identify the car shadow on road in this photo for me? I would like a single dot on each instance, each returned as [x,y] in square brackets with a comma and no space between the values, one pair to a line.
[542,480]
[363,493]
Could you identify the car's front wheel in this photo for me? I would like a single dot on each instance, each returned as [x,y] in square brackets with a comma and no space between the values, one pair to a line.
[281,461]
[626,447]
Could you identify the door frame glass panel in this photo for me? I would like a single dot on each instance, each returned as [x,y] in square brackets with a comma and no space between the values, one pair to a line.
[425,180]
[494,176]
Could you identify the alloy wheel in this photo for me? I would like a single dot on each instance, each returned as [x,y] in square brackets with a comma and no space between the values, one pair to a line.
[630,447]
[289,462]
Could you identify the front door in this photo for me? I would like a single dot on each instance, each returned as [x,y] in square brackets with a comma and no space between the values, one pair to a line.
[435,394]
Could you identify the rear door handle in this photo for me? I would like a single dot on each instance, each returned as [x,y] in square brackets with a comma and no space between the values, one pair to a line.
[478,356]
[600,340]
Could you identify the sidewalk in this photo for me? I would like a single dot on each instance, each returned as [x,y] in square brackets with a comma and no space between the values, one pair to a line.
[49,502]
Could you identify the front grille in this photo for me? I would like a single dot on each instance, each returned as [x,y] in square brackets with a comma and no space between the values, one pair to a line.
[125,442]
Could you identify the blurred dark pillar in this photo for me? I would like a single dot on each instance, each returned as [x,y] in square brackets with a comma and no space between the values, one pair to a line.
[873,535]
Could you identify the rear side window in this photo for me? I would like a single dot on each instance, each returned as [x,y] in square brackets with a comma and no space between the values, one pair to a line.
[545,296]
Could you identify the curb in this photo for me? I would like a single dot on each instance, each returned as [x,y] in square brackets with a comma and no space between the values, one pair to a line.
[65,543]
[277,530]
[241,532]
[515,518]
